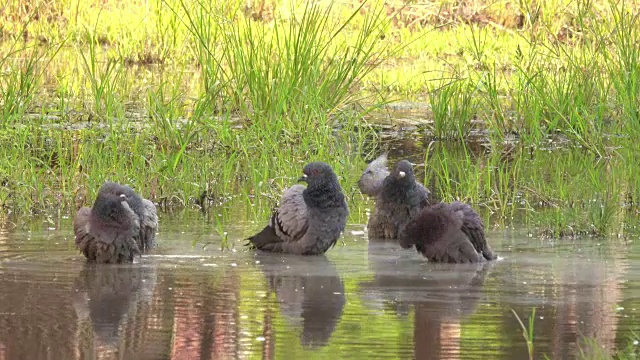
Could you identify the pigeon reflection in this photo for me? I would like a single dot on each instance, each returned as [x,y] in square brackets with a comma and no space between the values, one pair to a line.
[107,295]
[310,293]
[440,295]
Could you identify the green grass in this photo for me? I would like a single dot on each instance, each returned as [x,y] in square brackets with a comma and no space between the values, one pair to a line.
[527,331]
[531,106]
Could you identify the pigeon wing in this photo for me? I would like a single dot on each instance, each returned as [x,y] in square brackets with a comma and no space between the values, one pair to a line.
[424,194]
[148,225]
[288,224]
[473,227]
[81,229]
[290,219]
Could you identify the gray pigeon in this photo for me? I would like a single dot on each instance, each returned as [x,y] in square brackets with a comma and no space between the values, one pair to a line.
[370,183]
[309,220]
[399,200]
[437,233]
[144,209]
[106,233]
[380,220]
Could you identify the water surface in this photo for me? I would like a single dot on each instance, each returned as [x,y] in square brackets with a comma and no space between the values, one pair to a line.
[364,299]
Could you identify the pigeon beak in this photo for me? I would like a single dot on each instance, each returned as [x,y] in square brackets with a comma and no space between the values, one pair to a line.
[123,196]
[402,174]
[303,178]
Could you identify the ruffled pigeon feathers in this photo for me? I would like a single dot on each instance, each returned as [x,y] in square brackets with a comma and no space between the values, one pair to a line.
[309,220]
[437,233]
[106,232]
[399,199]
[144,209]
[473,227]
[119,226]
[370,182]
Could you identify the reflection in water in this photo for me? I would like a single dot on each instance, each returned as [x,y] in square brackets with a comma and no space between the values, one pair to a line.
[205,313]
[309,291]
[575,297]
[592,293]
[186,302]
[36,318]
[108,295]
[441,295]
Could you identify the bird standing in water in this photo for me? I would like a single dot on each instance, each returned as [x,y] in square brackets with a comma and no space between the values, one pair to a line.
[309,219]
[119,226]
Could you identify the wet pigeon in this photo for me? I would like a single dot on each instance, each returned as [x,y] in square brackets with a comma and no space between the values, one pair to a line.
[106,232]
[144,209]
[473,227]
[309,220]
[399,200]
[370,183]
[458,220]
[437,233]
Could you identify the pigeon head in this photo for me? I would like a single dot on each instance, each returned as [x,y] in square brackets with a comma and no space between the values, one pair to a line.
[404,172]
[323,189]
[133,199]
[318,173]
[370,183]
[113,211]
[400,185]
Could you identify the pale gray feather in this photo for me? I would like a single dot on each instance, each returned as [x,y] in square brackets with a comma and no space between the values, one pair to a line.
[290,222]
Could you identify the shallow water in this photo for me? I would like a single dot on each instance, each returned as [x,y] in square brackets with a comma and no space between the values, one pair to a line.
[362,300]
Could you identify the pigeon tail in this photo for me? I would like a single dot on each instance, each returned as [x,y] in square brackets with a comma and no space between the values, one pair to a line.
[264,238]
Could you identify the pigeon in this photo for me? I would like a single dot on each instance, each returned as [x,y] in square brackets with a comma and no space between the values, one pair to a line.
[437,233]
[144,209]
[309,220]
[473,227]
[379,220]
[370,183]
[106,232]
[398,201]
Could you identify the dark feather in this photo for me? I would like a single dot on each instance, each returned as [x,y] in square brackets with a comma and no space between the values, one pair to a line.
[264,239]
[437,234]
[473,227]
